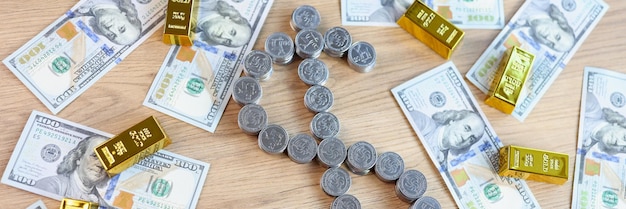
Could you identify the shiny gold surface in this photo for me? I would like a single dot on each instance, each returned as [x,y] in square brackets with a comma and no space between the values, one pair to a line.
[243,176]
[534,164]
[132,145]
[509,80]
[68,203]
[178,20]
[431,28]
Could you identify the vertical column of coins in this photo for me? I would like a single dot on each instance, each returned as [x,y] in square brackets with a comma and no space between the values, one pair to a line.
[318,99]
[280,47]
[273,139]
[389,166]
[331,152]
[426,202]
[302,148]
[305,17]
[335,181]
[337,40]
[411,185]
[258,65]
[309,43]
[247,90]
[325,125]
[345,201]
[361,157]
[313,72]
[362,56]
[252,118]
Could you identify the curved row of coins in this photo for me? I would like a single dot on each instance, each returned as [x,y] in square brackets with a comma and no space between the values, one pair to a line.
[361,157]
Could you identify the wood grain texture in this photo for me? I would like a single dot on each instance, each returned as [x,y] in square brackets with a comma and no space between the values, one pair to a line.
[243,176]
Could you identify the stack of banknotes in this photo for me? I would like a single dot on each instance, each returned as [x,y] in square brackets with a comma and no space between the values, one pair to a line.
[459,140]
[466,150]
[55,158]
[193,84]
[80,47]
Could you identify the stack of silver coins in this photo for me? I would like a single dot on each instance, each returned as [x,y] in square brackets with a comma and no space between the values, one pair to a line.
[309,43]
[273,139]
[345,201]
[252,118]
[305,17]
[389,166]
[335,181]
[258,64]
[426,202]
[361,157]
[280,47]
[302,148]
[247,90]
[362,57]
[318,99]
[331,153]
[324,125]
[411,185]
[313,72]
[337,40]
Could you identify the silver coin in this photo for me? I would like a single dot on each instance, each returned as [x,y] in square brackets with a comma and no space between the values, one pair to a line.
[318,99]
[309,43]
[389,166]
[362,56]
[313,72]
[305,17]
[337,41]
[331,152]
[280,47]
[335,181]
[302,148]
[345,201]
[361,157]
[426,202]
[247,90]
[258,64]
[411,185]
[252,118]
[325,125]
[273,139]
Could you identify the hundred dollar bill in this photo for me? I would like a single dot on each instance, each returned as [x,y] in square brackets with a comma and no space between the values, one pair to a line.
[600,169]
[55,158]
[77,49]
[476,14]
[194,82]
[37,205]
[551,30]
[459,140]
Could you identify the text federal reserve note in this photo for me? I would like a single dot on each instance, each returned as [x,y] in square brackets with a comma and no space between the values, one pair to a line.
[485,14]
[194,82]
[459,140]
[55,158]
[600,169]
[551,30]
[77,49]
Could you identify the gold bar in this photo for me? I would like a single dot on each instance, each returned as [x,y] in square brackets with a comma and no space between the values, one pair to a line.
[131,146]
[533,164]
[431,28]
[509,79]
[68,203]
[178,22]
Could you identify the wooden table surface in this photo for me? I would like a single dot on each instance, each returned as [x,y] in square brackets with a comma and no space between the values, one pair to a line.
[243,176]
